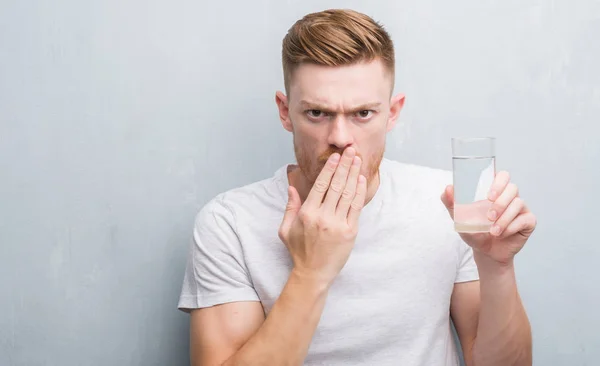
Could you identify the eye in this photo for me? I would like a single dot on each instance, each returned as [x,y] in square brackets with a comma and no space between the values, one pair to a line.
[314,113]
[364,114]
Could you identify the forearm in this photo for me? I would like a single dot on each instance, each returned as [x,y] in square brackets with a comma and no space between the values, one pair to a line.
[503,332]
[284,337]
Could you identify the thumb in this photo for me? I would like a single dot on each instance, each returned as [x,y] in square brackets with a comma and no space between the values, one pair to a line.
[448,199]
[291,210]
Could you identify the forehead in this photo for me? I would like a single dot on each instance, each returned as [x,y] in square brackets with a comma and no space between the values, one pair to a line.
[352,84]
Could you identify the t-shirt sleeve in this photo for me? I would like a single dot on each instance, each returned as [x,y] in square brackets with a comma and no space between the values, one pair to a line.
[215,272]
[467,268]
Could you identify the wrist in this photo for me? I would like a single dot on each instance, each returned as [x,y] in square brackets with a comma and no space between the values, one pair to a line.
[488,265]
[309,281]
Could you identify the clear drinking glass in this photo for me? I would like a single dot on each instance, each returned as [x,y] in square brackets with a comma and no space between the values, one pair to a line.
[474,170]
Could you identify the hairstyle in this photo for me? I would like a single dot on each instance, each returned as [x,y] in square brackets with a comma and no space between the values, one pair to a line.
[335,37]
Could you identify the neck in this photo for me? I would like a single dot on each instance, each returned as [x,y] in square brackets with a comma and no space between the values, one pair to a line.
[297,179]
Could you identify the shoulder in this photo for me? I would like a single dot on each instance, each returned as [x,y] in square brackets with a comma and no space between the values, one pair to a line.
[416,178]
[415,195]
[414,192]
[251,199]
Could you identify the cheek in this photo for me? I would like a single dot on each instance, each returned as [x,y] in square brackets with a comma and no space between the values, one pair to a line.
[371,147]
[310,137]
[305,142]
[306,148]
[370,141]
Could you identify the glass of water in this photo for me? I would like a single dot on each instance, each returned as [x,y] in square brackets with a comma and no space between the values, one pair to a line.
[474,170]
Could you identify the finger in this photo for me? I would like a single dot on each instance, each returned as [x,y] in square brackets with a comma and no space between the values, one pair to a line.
[318,190]
[350,190]
[512,211]
[291,211]
[524,224]
[358,202]
[338,182]
[448,199]
[500,182]
[501,203]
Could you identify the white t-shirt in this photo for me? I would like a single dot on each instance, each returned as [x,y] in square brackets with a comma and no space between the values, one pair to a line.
[390,304]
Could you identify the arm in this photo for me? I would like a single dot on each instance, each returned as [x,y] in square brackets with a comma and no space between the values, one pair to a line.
[217,332]
[502,334]
[490,320]
[238,334]
[464,311]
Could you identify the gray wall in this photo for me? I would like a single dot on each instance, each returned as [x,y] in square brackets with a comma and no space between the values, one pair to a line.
[120,119]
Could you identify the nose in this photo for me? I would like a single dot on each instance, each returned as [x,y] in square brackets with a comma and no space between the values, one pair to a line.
[339,133]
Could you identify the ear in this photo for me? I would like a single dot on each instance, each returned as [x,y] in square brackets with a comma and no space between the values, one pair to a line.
[396,104]
[284,110]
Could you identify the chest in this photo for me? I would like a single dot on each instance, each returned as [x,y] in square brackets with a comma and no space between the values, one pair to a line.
[397,266]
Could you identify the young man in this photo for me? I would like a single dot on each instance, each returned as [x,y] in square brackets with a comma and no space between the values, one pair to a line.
[348,258]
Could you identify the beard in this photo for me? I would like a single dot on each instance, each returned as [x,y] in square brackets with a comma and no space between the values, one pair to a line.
[311,166]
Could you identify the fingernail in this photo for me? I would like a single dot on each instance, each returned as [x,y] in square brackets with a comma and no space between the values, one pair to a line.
[492,195]
[356,160]
[335,157]
[495,230]
[492,215]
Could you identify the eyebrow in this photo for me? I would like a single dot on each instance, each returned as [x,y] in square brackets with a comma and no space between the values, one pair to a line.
[321,107]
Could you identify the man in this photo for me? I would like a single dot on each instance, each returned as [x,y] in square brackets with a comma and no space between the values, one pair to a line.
[348,258]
